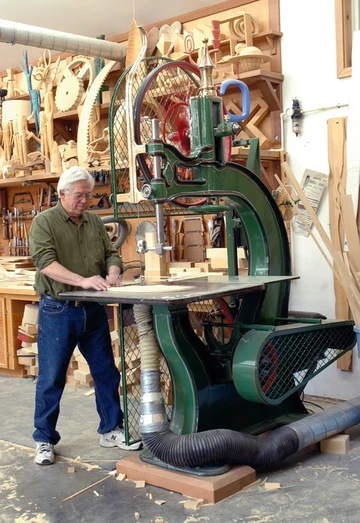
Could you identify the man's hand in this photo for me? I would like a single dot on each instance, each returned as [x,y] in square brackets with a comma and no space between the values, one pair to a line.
[114,279]
[96,283]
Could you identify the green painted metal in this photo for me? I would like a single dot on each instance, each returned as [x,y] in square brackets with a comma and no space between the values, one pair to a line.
[187,380]
[253,162]
[268,366]
[204,112]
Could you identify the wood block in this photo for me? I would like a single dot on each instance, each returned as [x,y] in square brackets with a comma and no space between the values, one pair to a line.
[189,270]
[211,488]
[26,345]
[89,385]
[22,352]
[272,486]
[117,361]
[193,504]
[82,377]
[26,360]
[203,266]
[81,367]
[181,265]
[136,391]
[133,376]
[70,380]
[339,444]
[219,263]
[28,328]
[80,358]
[31,313]
[73,365]
[28,338]
[115,337]
[132,360]
[216,252]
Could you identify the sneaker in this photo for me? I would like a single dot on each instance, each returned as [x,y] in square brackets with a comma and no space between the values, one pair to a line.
[44,453]
[116,438]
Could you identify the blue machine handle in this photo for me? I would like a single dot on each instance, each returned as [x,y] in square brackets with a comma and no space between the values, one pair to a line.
[245,99]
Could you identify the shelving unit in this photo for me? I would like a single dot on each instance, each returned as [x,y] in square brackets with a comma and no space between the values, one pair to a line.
[264,84]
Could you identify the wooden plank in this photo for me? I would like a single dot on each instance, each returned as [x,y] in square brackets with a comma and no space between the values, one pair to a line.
[351,231]
[337,184]
[134,44]
[210,488]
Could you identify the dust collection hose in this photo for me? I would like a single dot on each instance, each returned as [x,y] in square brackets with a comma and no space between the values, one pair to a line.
[223,445]
[123,227]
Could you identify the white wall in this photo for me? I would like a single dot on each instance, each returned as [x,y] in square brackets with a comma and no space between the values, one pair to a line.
[309,68]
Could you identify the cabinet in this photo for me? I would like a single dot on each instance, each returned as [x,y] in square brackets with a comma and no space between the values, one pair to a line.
[12,304]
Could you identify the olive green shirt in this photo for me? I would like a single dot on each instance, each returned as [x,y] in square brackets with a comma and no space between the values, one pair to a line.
[83,248]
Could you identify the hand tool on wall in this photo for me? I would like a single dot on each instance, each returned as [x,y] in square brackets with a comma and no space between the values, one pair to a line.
[25,236]
[4,226]
[174,233]
[19,197]
[10,222]
[103,203]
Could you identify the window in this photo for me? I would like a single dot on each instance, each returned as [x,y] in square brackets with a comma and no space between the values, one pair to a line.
[347,15]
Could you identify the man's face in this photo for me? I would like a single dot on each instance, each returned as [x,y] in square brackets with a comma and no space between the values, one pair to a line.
[75,202]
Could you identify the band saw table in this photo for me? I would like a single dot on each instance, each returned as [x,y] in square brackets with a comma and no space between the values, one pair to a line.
[179,292]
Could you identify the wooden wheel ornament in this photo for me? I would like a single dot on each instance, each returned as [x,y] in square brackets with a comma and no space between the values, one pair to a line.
[73,83]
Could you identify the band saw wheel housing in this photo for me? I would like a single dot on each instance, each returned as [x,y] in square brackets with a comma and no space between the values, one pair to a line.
[165,95]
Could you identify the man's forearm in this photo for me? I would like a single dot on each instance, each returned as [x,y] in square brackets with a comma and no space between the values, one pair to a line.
[59,273]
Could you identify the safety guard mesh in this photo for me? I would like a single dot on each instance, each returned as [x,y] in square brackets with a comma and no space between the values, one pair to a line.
[287,362]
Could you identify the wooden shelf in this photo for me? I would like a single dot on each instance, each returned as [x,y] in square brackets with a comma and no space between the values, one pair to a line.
[73,115]
[269,36]
[21,180]
[267,154]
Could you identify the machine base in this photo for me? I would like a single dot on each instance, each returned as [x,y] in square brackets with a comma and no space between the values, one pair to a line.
[210,470]
[211,489]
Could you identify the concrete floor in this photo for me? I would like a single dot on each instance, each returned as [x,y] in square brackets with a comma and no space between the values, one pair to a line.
[315,488]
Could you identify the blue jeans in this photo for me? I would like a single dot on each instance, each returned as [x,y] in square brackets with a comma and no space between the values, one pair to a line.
[62,327]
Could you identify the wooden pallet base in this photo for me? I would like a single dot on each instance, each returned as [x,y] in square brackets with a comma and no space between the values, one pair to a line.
[211,489]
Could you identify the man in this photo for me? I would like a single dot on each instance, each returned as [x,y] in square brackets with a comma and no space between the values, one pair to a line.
[71,251]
